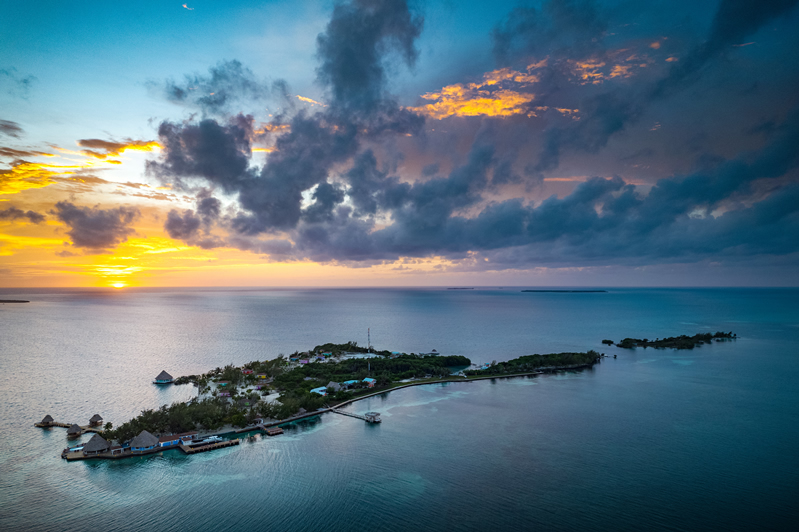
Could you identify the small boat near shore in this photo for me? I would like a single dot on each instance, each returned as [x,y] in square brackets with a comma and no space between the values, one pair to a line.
[205,441]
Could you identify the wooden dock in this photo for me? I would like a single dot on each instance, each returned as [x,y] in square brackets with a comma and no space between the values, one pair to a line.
[83,428]
[210,447]
[368,419]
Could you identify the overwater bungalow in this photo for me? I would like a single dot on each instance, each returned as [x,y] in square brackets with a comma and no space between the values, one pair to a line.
[143,442]
[74,431]
[96,420]
[96,445]
[164,378]
[47,421]
[372,417]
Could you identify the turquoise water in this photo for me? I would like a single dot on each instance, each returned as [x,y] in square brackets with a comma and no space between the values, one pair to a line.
[654,439]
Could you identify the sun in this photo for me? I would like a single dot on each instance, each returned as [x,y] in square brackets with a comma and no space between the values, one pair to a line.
[118,285]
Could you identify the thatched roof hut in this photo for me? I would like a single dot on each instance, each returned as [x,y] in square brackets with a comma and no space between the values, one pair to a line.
[164,377]
[96,420]
[97,444]
[144,440]
[47,419]
[74,430]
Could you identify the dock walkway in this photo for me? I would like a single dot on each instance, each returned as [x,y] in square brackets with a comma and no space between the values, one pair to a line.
[210,447]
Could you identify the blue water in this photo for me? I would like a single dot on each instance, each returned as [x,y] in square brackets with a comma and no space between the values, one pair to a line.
[654,439]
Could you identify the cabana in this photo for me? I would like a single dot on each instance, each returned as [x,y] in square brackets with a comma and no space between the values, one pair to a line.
[96,445]
[143,442]
[96,420]
[164,378]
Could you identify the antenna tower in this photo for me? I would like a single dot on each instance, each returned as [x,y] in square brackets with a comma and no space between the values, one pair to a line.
[368,339]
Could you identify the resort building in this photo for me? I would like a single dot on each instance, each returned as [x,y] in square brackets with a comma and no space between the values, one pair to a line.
[247,371]
[262,376]
[304,361]
[370,382]
[96,420]
[47,421]
[143,442]
[222,383]
[322,390]
[176,439]
[74,430]
[349,383]
[164,378]
[333,386]
[96,445]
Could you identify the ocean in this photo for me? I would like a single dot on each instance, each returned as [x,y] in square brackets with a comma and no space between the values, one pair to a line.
[654,439]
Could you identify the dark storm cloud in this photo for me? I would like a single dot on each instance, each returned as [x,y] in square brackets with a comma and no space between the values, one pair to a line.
[329,190]
[12,129]
[227,84]
[735,20]
[565,28]
[354,50]
[96,229]
[13,213]
[355,44]
[218,154]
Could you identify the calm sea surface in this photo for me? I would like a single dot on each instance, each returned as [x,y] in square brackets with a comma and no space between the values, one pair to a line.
[652,440]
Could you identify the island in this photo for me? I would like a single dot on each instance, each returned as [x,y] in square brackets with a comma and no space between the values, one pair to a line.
[675,342]
[13,301]
[263,395]
[260,394]
[567,291]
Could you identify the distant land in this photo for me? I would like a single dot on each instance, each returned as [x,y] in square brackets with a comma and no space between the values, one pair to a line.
[460,288]
[13,301]
[567,291]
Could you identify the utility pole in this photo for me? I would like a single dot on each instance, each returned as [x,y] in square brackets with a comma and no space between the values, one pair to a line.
[368,339]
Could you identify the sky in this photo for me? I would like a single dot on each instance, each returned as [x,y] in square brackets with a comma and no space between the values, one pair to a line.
[399,143]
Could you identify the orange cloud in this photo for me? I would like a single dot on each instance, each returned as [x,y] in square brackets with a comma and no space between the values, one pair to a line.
[308,100]
[24,175]
[101,149]
[499,94]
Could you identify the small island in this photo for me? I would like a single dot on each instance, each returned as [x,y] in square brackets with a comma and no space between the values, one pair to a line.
[13,301]
[674,342]
[567,291]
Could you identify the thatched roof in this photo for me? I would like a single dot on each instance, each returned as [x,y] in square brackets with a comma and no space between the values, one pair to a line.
[74,429]
[144,439]
[334,385]
[48,419]
[97,443]
[95,418]
[164,376]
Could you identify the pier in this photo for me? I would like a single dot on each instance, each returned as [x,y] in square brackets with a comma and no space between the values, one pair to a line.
[210,447]
[369,417]
[83,428]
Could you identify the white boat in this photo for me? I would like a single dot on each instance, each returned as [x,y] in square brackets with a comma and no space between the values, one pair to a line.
[206,441]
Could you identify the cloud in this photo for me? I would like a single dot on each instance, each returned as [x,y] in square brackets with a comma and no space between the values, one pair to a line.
[12,129]
[19,86]
[227,84]
[101,149]
[355,47]
[95,229]
[24,175]
[13,213]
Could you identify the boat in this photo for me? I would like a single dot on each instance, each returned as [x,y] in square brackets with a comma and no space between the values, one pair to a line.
[206,441]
